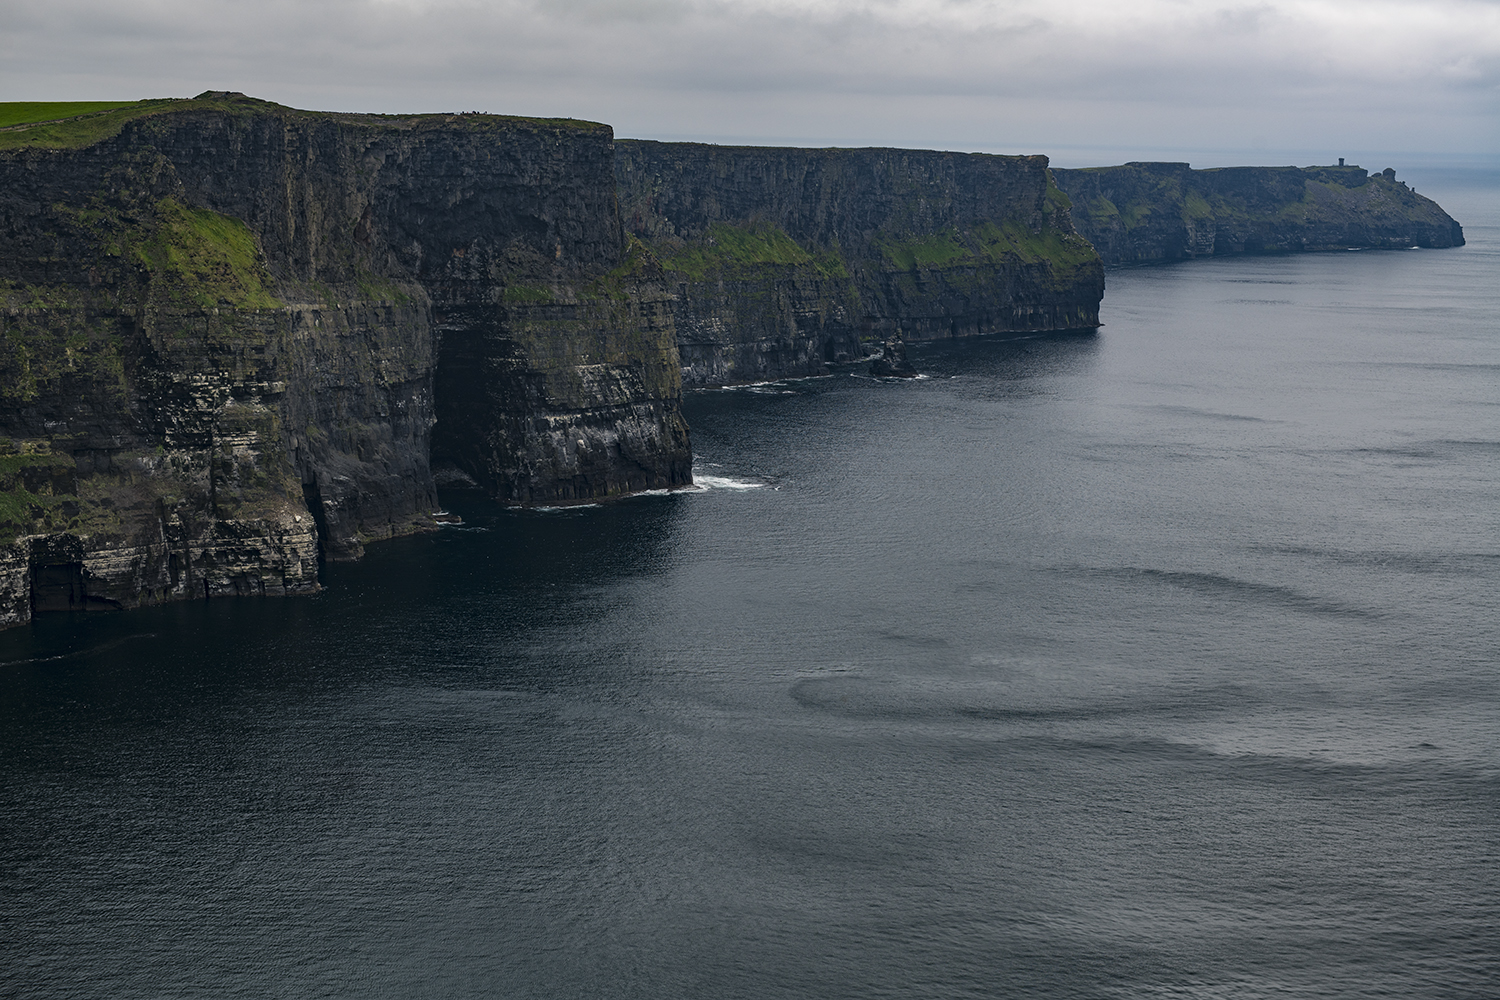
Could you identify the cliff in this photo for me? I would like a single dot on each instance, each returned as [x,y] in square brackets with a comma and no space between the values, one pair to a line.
[782,260]
[1166,211]
[233,334]
[237,338]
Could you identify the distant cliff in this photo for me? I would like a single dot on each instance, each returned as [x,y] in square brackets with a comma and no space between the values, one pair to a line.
[1166,211]
[231,332]
[784,259]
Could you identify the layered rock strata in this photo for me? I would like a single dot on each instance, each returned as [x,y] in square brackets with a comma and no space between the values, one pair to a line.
[1167,211]
[783,260]
[233,335]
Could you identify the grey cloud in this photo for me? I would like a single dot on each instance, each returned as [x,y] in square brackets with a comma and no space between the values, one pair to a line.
[1244,20]
[906,72]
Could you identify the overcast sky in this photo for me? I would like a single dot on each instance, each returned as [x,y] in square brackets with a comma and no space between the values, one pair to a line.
[1085,81]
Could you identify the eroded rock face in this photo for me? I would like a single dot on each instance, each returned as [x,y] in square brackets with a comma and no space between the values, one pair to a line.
[221,323]
[785,259]
[1166,211]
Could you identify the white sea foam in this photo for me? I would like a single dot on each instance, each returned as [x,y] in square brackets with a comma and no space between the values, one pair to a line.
[704,483]
[779,383]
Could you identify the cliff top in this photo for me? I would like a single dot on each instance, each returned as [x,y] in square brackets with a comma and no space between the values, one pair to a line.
[75,124]
[811,150]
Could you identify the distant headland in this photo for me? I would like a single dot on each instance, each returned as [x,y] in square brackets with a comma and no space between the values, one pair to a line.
[1166,211]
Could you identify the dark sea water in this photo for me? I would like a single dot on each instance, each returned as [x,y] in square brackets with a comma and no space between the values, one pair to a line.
[1157,662]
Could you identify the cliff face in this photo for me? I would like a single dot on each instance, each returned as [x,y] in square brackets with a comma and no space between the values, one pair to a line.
[1167,211]
[236,338]
[231,333]
[784,259]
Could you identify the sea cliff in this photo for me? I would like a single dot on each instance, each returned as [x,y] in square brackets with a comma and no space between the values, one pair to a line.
[782,260]
[233,335]
[1142,212]
[238,338]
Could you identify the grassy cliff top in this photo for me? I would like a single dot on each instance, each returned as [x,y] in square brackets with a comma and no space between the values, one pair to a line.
[75,124]
[31,112]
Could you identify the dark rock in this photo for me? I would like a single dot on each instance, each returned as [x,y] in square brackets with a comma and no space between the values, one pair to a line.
[893,363]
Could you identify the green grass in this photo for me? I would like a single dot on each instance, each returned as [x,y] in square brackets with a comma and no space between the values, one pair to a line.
[1057,199]
[830,263]
[20,509]
[1101,209]
[196,258]
[12,464]
[377,289]
[528,295]
[16,511]
[29,112]
[205,259]
[1136,214]
[988,243]
[736,249]
[1014,242]
[86,129]
[928,250]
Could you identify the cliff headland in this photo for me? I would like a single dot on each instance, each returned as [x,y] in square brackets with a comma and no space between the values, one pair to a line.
[236,338]
[1142,212]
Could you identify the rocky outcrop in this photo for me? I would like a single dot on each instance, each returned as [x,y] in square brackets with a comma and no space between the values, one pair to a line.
[232,334]
[1166,211]
[893,362]
[782,260]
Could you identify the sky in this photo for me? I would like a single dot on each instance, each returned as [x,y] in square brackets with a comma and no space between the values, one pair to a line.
[1085,81]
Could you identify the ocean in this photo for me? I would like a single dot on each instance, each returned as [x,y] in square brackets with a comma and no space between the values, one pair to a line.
[1157,661]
